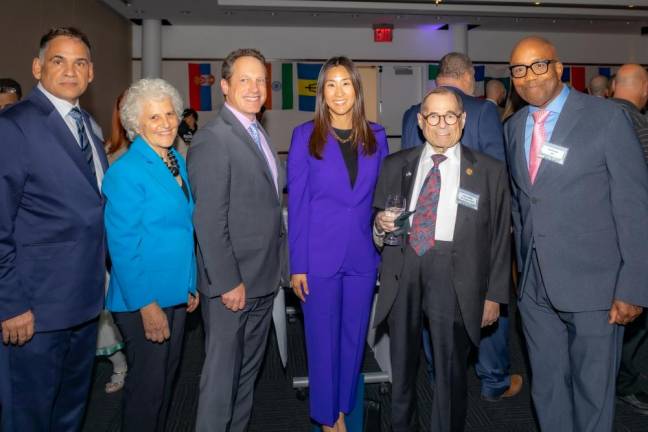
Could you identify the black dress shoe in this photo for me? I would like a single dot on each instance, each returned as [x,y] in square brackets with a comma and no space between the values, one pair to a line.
[638,401]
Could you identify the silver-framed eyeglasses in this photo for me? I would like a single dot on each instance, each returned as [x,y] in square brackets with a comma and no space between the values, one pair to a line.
[539,68]
[449,118]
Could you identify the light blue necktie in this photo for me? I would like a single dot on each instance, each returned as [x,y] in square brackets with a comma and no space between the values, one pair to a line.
[254,132]
[75,113]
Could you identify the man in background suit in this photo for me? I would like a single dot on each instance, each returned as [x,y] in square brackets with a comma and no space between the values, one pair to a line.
[580,205]
[483,132]
[496,94]
[237,181]
[10,92]
[52,252]
[631,93]
[453,265]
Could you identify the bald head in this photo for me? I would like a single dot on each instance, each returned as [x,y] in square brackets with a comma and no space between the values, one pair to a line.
[631,84]
[495,91]
[598,86]
[541,83]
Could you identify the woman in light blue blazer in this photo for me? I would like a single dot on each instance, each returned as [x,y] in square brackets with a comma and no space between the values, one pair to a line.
[151,243]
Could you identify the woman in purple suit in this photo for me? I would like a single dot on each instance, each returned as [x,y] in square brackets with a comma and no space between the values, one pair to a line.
[333,165]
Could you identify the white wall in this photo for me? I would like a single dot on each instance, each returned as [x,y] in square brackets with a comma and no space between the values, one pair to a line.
[205,42]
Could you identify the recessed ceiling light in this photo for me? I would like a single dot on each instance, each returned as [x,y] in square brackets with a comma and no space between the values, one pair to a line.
[537,3]
[631,6]
[273,13]
[554,21]
[315,15]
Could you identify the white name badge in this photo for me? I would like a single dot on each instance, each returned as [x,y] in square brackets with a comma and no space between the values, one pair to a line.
[554,153]
[468,199]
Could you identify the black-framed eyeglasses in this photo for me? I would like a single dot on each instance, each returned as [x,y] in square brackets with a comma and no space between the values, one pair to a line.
[539,68]
[449,118]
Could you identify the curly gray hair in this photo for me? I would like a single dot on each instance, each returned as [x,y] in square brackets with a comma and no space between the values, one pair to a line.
[138,93]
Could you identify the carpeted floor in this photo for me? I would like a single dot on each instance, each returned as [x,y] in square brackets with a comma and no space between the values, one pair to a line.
[278,409]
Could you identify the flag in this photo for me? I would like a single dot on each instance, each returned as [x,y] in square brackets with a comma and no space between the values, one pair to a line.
[307,85]
[480,76]
[575,77]
[280,86]
[201,81]
[433,71]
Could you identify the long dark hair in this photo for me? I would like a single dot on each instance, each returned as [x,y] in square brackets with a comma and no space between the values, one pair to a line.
[361,131]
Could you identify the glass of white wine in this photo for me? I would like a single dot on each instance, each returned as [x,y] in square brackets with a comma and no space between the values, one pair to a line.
[394,206]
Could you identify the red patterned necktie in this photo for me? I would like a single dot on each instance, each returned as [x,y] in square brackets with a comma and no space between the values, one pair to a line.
[538,137]
[424,223]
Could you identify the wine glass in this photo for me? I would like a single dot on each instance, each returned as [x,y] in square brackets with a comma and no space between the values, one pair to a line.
[394,206]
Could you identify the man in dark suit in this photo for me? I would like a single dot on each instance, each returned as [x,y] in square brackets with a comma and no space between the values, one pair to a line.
[482,132]
[580,205]
[237,182]
[52,252]
[453,265]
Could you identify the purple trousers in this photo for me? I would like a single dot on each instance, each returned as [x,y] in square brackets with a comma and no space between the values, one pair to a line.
[336,316]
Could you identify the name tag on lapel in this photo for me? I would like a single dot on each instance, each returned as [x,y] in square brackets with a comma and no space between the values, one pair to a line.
[468,199]
[554,153]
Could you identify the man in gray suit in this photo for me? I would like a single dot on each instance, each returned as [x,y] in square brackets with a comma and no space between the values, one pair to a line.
[580,205]
[237,181]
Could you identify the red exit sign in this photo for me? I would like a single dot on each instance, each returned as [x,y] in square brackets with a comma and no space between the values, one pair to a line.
[383,32]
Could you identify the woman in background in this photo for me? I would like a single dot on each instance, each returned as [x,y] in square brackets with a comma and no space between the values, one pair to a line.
[109,340]
[148,220]
[333,166]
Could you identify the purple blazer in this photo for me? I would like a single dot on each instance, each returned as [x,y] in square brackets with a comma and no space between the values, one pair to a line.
[329,223]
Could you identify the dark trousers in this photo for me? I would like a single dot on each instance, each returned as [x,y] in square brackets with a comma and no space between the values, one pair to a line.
[235,344]
[574,360]
[48,380]
[426,287]
[633,374]
[152,370]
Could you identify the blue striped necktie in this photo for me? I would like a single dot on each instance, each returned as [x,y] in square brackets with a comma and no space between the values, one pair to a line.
[84,143]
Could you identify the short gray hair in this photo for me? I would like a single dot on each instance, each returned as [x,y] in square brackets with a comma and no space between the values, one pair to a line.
[140,92]
[444,91]
[454,65]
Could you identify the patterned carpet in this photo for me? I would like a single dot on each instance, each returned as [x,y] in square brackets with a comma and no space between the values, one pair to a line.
[277,408]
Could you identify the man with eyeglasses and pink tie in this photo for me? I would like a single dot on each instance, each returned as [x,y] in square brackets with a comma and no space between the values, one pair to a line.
[580,204]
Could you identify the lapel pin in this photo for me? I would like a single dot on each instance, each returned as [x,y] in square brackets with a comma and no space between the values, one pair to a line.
[408,173]
[469,171]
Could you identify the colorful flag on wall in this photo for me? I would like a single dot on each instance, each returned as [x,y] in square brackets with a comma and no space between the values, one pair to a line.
[307,85]
[201,81]
[280,86]
[575,77]
[433,71]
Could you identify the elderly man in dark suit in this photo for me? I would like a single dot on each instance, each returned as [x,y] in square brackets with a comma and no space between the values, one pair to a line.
[453,265]
[580,205]
[237,182]
[482,132]
[52,252]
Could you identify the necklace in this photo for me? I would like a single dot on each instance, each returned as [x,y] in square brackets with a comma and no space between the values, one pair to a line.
[341,140]
[172,164]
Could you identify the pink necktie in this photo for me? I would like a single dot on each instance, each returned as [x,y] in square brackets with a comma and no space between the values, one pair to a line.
[537,139]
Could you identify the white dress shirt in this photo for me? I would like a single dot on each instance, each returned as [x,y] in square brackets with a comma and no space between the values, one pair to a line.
[64,107]
[447,209]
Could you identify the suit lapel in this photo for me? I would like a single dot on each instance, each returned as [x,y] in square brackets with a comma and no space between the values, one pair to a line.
[409,172]
[469,180]
[243,135]
[520,164]
[567,120]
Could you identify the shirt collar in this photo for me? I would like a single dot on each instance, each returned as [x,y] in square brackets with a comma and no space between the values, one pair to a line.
[557,104]
[453,154]
[62,106]
[246,122]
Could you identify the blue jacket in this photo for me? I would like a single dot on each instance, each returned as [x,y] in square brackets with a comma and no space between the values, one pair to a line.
[52,246]
[150,233]
[482,132]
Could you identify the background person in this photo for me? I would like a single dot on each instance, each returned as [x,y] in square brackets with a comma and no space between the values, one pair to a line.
[150,240]
[10,92]
[333,165]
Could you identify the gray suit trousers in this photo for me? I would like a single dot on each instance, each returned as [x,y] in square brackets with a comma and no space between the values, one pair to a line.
[574,357]
[235,344]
